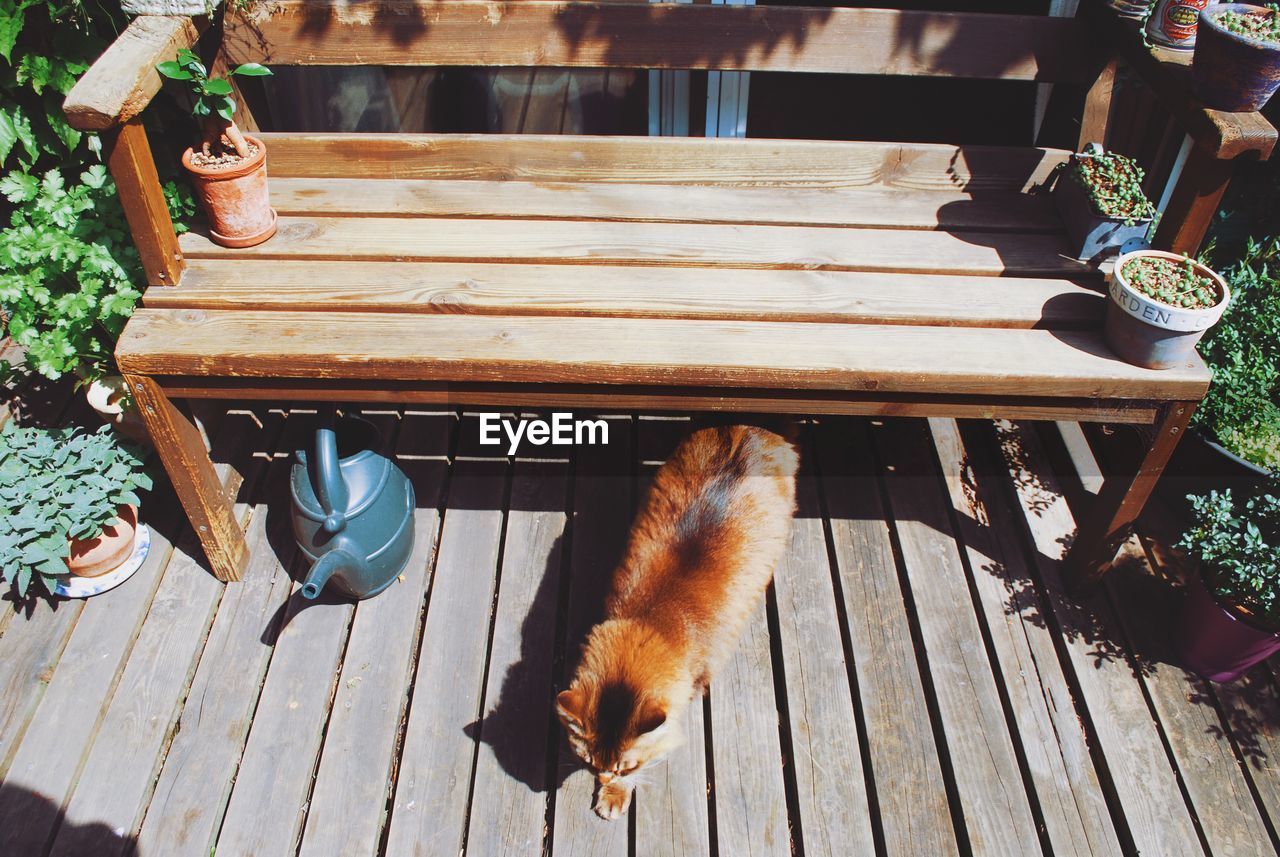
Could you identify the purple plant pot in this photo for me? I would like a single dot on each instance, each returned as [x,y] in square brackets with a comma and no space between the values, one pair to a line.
[1216,642]
[1231,72]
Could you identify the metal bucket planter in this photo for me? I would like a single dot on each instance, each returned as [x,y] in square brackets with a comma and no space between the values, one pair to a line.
[1230,71]
[1151,334]
[1220,642]
[1092,233]
[1173,23]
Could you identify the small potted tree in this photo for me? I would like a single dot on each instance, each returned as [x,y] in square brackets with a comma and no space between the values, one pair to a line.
[1236,66]
[1231,615]
[229,170]
[74,501]
[1100,199]
[1161,305]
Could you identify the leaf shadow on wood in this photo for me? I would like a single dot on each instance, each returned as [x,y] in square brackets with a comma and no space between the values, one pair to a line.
[39,813]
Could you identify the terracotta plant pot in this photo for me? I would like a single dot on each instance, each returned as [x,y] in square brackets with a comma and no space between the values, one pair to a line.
[235,198]
[1230,71]
[108,398]
[1218,641]
[109,549]
[1151,334]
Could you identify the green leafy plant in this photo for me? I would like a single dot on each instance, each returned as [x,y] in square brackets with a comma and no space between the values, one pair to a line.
[1113,184]
[1238,547]
[1242,408]
[1176,282]
[61,484]
[213,106]
[1263,24]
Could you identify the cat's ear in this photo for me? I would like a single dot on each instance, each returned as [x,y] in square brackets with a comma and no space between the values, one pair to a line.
[571,705]
[650,717]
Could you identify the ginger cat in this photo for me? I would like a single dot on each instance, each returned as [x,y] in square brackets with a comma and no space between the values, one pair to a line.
[701,553]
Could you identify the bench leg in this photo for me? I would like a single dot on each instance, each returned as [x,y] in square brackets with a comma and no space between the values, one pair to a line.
[181,447]
[1120,501]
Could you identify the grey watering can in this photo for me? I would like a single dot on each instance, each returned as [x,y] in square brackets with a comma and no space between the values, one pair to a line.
[352,509]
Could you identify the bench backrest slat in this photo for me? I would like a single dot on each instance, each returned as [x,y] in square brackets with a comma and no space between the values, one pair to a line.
[660,35]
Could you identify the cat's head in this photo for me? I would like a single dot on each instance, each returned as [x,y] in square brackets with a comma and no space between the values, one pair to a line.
[615,729]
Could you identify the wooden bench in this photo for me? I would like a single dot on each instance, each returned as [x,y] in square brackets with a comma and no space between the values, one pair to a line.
[647,273]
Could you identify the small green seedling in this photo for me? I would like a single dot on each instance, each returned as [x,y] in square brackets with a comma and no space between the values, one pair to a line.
[213,107]
[1261,25]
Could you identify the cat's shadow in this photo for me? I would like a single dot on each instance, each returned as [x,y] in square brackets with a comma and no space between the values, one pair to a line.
[521,729]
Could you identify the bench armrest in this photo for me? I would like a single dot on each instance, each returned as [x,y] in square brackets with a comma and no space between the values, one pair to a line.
[1168,73]
[124,79]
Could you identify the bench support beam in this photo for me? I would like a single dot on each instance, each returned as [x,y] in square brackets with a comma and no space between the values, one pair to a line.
[1110,522]
[207,503]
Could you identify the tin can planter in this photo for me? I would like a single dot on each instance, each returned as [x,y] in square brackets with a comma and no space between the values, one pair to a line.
[1173,23]
[1231,71]
[1217,641]
[1092,233]
[1153,334]
[235,198]
[1129,8]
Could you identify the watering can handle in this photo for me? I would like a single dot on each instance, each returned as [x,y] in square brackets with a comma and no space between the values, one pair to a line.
[331,490]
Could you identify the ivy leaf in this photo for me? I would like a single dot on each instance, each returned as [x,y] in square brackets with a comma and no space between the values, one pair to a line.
[15,128]
[12,17]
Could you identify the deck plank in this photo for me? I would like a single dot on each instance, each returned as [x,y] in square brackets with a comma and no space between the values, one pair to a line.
[62,728]
[749,791]
[661,244]
[993,797]
[1251,710]
[1155,815]
[914,812]
[602,509]
[280,756]
[432,789]
[483,288]
[509,806]
[1053,739]
[835,816]
[190,796]
[114,787]
[874,207]
[348,803]
[671,801]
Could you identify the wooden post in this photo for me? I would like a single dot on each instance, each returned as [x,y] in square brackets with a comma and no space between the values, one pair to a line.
[1121,499]
[129,159]
[1097,106]
[1194,202]
[205,500]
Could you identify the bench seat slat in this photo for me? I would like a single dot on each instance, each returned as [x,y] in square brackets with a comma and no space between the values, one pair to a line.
[664,244]
[600,290]
[542,350]
[660,160]
[874,207]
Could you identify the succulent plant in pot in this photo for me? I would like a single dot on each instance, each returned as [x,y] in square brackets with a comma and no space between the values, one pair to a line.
[1100,198]
[1231,616]
[1161,305]
[229,169]
[1236,66]
[74,501]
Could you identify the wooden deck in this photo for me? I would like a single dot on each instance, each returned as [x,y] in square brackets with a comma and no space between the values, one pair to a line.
[916,684]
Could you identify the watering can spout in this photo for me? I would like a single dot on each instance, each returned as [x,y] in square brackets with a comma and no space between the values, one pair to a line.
[338,561]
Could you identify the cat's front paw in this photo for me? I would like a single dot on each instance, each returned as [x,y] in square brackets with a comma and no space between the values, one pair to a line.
[613,800]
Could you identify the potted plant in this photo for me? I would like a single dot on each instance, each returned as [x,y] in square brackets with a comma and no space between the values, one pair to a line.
[1161,304]
[229,170]
[1100,199]
[1236,65]
[74,497]
[1231,615]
